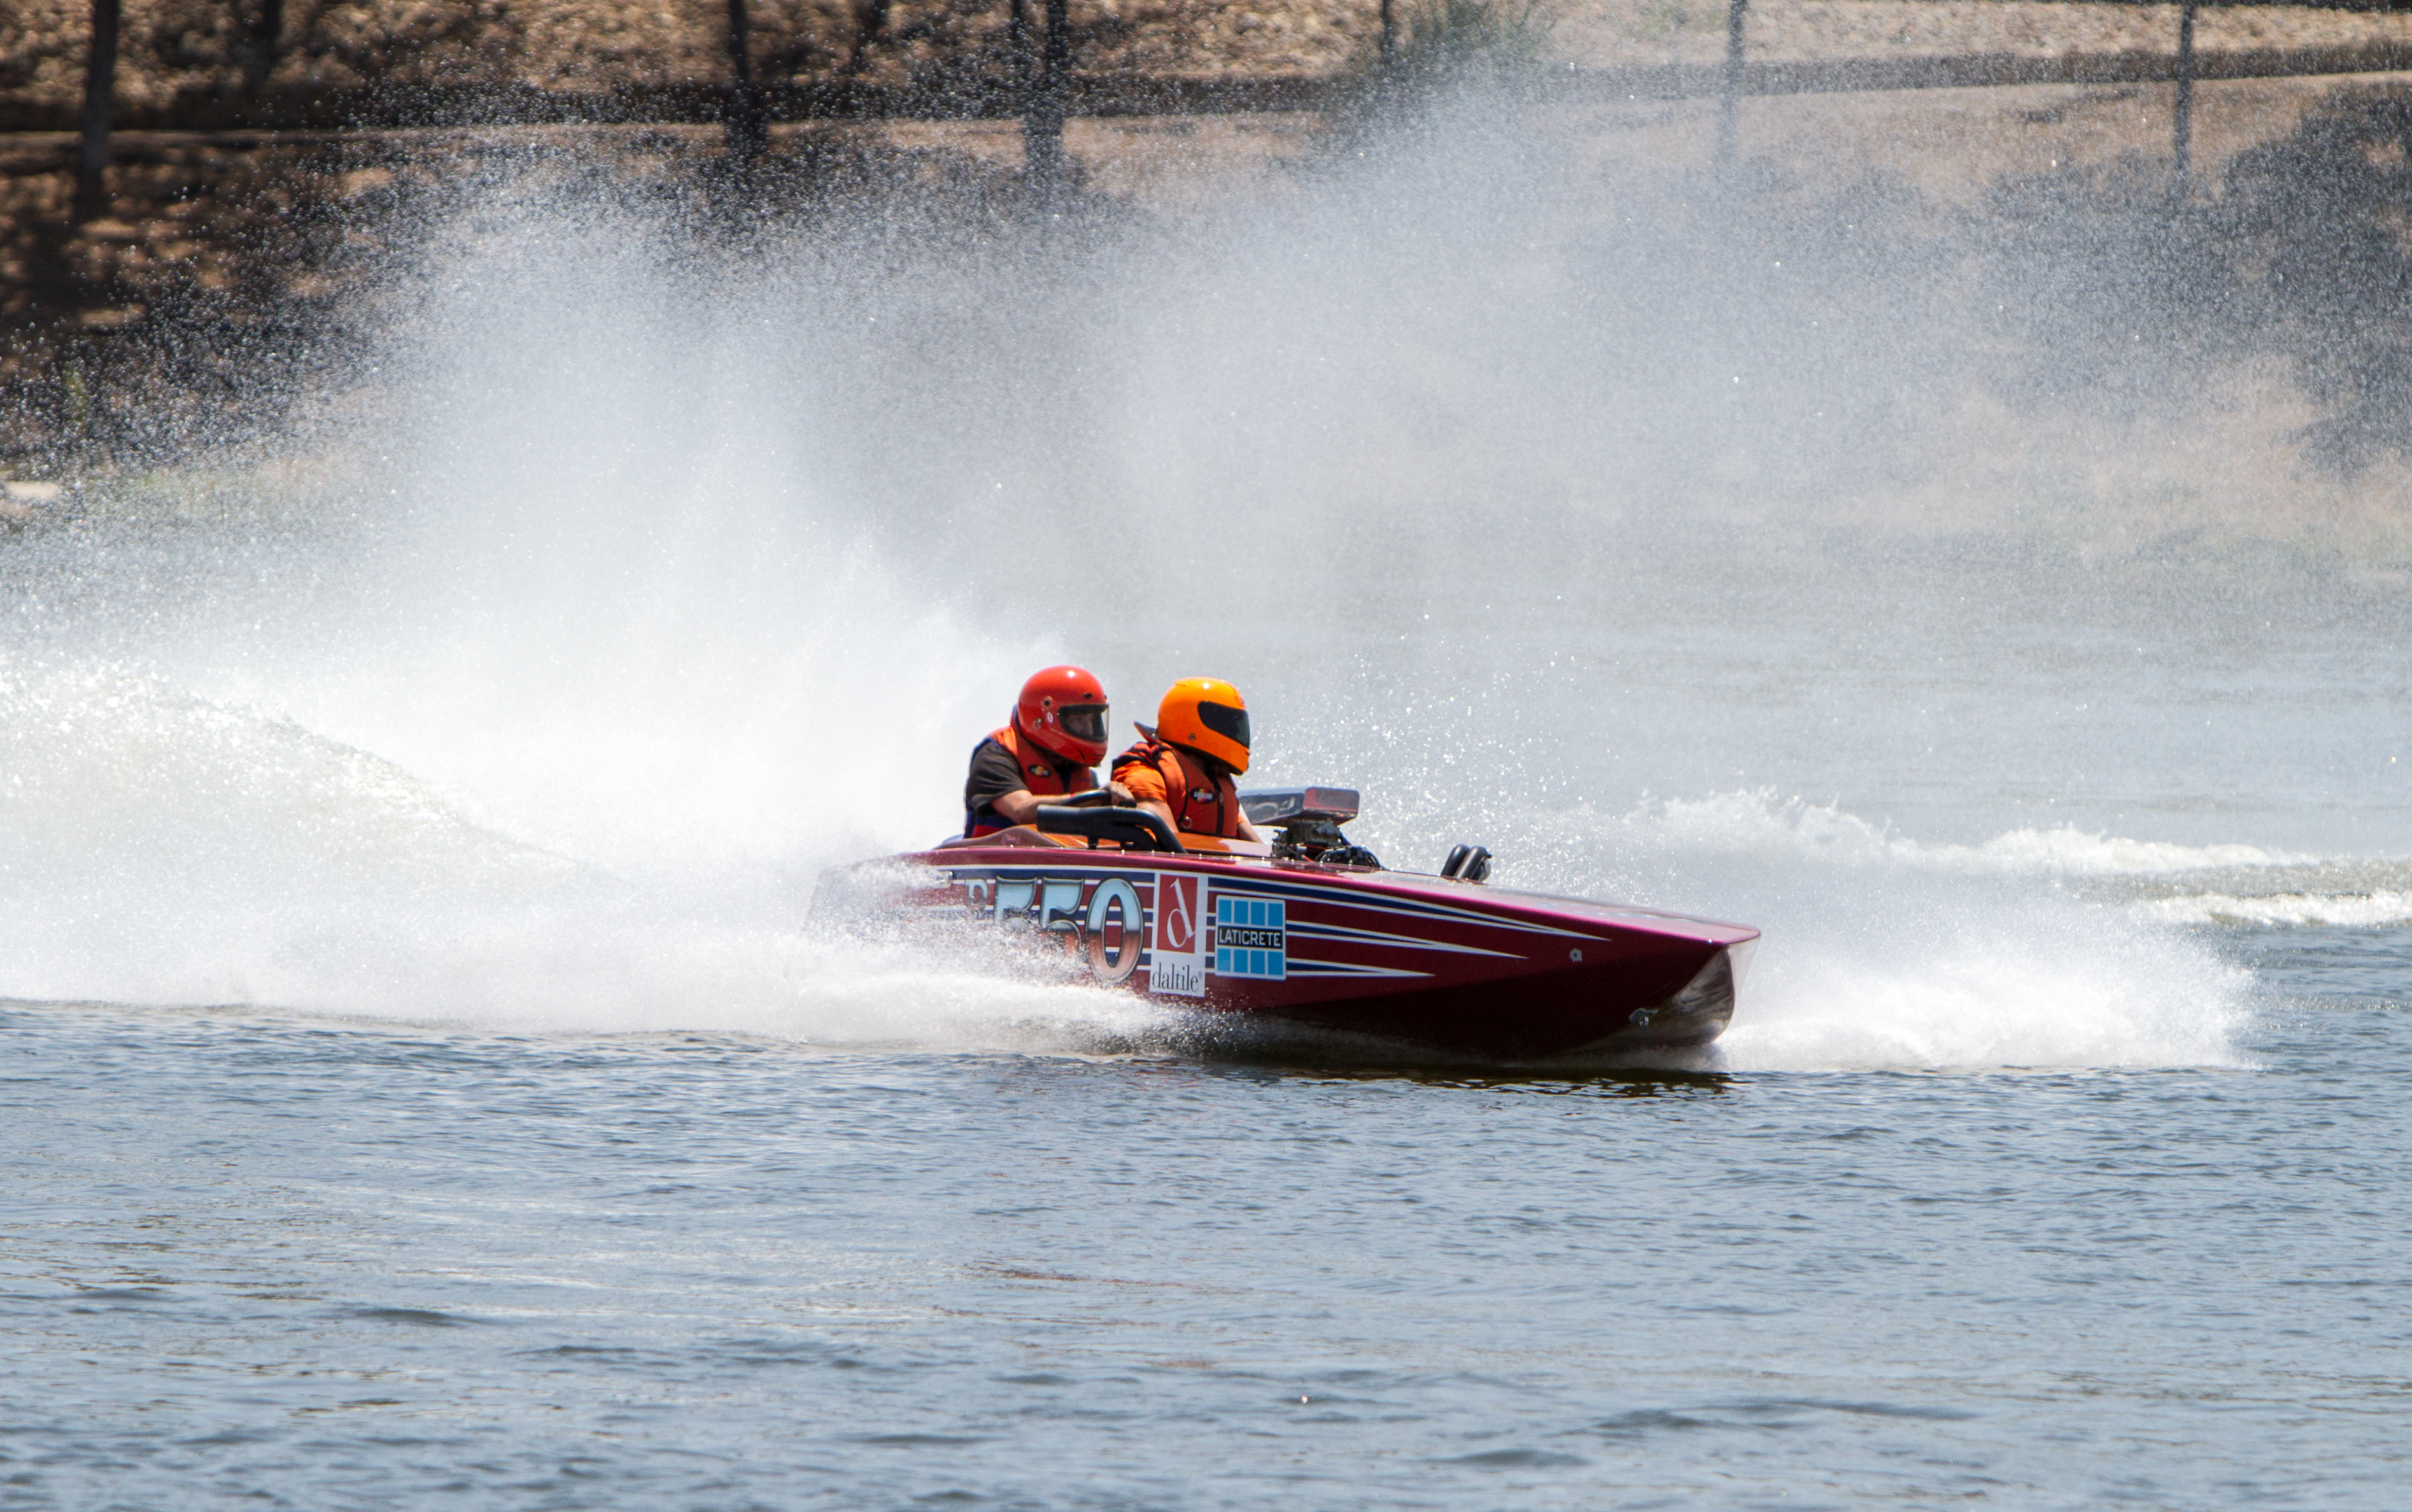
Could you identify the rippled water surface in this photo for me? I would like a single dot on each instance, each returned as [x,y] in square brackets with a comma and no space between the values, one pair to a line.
[275,1261]
[548,1157]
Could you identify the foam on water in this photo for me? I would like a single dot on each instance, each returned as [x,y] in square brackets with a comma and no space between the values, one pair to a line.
[2022,987]
[2342,910]
[1761,823]
[163,848]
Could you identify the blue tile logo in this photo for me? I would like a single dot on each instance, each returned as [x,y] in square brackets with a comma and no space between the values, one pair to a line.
[1251,938]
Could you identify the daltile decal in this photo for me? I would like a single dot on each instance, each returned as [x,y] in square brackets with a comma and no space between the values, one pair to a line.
[1177,962]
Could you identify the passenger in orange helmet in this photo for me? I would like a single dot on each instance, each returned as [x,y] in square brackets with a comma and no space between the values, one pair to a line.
[1044,752]
[1181,770]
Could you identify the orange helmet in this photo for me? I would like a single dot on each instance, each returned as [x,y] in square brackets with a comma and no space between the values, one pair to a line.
[1064,709]
[1207,715]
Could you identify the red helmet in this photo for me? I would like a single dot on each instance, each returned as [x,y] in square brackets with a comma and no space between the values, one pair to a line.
[1064,709]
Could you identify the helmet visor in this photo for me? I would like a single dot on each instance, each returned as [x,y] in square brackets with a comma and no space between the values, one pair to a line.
[1084,722]
[1229,723]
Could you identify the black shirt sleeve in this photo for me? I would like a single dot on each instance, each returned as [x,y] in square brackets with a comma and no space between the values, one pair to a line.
[994,774]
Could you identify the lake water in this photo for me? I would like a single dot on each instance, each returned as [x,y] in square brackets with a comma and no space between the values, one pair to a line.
[423,1080]
[2046,1164]
[261,1259]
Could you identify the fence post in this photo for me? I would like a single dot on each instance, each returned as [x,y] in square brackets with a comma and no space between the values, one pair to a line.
[1729,106]
[2182,125]
[747,131]
[1042,119]
[1389,31]
[99,86]
[260,45]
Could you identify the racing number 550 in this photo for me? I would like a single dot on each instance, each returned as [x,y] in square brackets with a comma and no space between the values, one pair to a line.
[1111,929]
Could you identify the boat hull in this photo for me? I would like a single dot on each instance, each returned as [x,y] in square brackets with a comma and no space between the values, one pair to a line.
[1455,965]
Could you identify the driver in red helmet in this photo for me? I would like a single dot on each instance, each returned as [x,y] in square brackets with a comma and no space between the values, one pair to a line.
[1045,752]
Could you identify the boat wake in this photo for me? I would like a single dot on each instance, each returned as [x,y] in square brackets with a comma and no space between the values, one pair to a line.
[1764,824]
[157,847]
[2350,910]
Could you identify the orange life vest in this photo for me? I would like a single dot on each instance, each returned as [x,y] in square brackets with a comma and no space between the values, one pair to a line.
[1202,803]
[1044,773]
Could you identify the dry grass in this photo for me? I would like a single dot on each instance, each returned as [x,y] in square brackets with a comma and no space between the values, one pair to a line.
[1694,31]
[172,47]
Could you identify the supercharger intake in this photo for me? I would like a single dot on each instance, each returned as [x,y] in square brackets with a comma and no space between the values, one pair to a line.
[1309,821]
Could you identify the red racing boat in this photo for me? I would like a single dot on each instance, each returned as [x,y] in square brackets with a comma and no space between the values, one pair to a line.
[1310,929]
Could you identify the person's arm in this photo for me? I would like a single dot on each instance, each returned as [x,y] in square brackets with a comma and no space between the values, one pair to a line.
[1146,787]
[1021,806]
